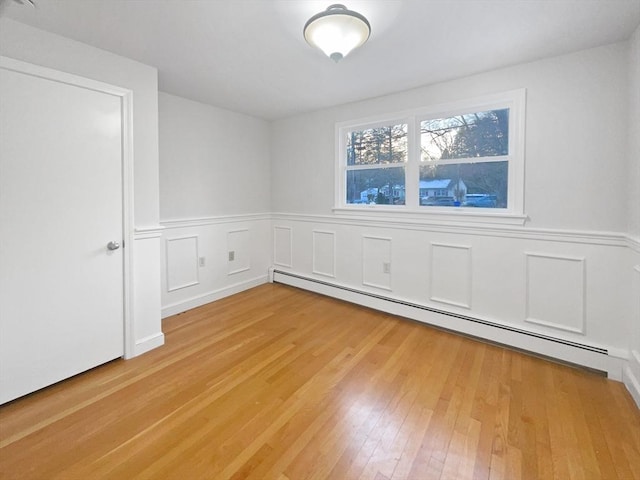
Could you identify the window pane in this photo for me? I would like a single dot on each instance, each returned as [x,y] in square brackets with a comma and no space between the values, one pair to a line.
[377,146]
[379,185]
[482,185]
[480,134]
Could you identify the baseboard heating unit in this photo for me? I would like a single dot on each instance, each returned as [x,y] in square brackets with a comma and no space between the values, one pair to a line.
[582,354]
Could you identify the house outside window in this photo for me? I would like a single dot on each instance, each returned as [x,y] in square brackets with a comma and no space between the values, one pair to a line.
[376,157]
[466,153]
[462,158]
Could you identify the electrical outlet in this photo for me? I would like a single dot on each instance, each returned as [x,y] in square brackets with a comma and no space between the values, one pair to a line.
[202,261]
[232,256]
[386,267]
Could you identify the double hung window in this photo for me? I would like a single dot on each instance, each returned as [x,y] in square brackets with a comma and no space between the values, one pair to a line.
[376,160]
[461,158]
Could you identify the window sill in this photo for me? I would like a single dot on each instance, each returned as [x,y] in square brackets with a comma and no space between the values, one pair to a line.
[456,216]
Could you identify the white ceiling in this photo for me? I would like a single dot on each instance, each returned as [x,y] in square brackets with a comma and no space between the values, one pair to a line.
[250,56]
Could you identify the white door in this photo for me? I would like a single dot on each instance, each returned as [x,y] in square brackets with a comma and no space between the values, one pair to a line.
[61,288]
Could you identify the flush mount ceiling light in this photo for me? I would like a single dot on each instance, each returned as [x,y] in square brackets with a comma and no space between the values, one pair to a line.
[337,31]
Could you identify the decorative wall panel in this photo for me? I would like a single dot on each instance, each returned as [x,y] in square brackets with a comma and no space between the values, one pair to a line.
[324,253]
[182,262]
[282,246]
[376,262]
[556,291]
[238,251]
[451,274]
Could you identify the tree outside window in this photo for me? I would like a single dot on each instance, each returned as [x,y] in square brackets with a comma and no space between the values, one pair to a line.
[467,156]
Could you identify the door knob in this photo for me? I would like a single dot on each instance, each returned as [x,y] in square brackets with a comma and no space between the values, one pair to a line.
[113,245]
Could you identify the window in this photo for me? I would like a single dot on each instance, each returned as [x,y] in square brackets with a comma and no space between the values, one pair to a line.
[464,158]
[375,170]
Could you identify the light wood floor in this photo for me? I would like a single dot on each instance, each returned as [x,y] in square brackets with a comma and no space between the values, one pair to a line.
[278,383]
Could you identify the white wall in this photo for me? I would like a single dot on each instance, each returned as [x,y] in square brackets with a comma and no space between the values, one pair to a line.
[634,136]
[563,275]
[212,161]
[576,120]
[35,46]
[215,195]
[632,373]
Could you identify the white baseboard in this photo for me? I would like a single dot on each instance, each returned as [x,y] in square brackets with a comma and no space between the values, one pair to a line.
[631,376]
[209,297]
[584,354]
[148,343]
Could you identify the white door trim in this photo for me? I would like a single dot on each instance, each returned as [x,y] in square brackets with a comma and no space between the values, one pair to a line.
[126,98]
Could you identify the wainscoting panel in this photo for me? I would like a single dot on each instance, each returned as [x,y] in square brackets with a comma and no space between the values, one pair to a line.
[376,262]
[586,354]
[451,274]
[238,251]
[522,287]
[555,293]
[182,262]
[324,253]
[247,236]
[282,246]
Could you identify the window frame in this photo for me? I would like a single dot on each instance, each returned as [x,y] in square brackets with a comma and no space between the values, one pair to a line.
[514,100]
[376,166]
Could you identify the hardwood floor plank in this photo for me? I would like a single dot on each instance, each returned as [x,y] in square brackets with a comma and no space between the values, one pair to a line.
[367,415]
[281,384]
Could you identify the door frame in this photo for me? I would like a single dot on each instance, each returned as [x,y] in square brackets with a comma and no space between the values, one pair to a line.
[126,102]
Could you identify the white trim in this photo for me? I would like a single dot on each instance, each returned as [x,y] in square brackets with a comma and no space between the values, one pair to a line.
[270,272]
[511,335]
[128,219]
[217,220]
[450,302]
[459,222]
[148,343]
[583,313]
[189,284]
[46,73]
[629,377]
[203,299]
[377,237]
[238,270]
[275,262]
[126,102]
[313,260]
[558,326]
[238,230]
[514,100]
[149,229]
[146,235]
[461,216]
[364,264]
[241,269]
[398,221]
[376,166]
[453,303]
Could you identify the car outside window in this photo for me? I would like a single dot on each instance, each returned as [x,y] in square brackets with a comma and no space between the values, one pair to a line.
[465,157]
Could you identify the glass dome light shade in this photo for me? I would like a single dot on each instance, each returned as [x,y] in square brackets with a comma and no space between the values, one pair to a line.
[337,31]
